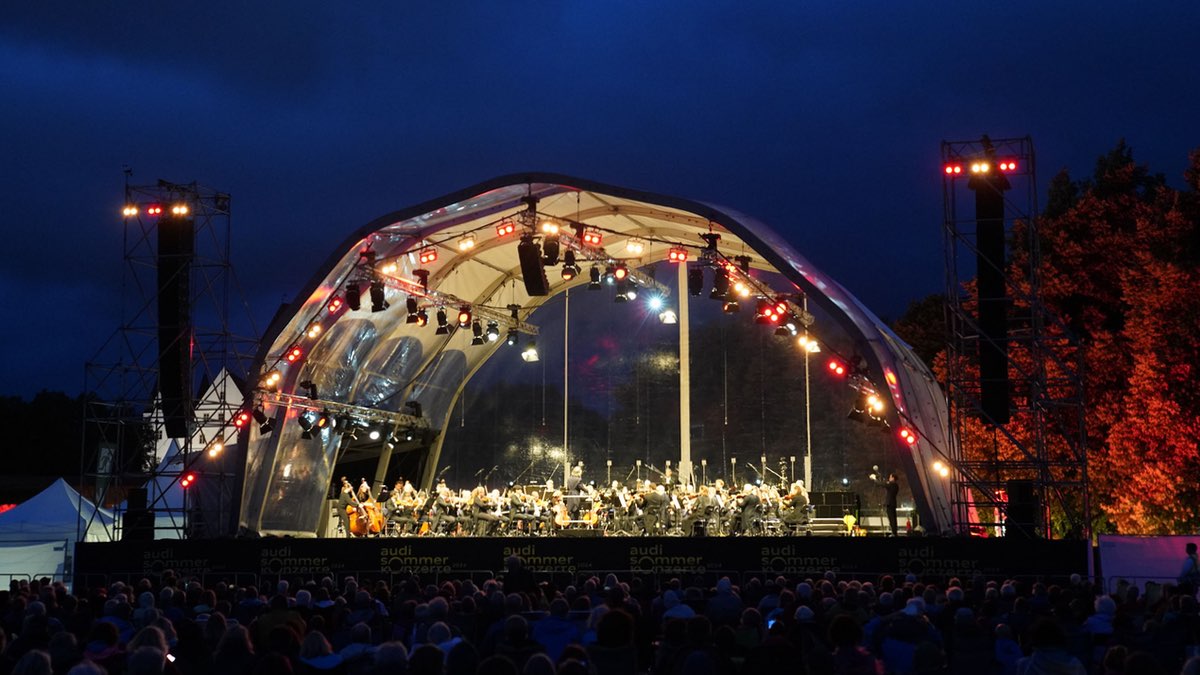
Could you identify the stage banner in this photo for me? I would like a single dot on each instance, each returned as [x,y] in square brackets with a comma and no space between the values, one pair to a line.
[1138,560]
[434,558]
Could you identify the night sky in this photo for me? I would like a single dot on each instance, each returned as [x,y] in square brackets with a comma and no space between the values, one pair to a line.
[821,118]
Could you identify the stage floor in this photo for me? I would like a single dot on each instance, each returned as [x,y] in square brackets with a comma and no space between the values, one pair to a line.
[259,560]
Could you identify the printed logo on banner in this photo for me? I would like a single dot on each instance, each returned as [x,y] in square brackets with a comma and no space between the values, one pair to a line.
[403,559]
[656,559]
[925,560]
[539,561]
[788,560]
[282,560]
[157,562]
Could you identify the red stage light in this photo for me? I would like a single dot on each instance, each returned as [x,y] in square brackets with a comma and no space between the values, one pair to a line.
[187,479]
[335,305]
[154,210]
[1008,165]
[677,255]
[505,228]
[837,367]
[908,435]
[241,420]
[592,237]
[294,354]
[464,316]
[427,255]
[620,272]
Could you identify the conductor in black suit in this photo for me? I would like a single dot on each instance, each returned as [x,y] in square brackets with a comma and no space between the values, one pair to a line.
[892,495]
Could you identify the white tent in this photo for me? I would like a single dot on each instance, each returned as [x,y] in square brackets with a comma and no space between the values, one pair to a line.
[38,535]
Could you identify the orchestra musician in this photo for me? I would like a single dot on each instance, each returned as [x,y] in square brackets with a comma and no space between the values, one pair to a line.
[445,510]
[345,501]
[744,524]
[703,508]
[796,505]
[654,510]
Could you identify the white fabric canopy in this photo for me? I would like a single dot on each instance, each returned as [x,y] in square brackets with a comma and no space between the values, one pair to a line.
[55,514]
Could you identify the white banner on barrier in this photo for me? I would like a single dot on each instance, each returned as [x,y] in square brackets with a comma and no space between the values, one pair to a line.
[1141,559]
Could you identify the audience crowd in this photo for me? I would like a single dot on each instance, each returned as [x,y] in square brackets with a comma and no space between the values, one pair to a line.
[515,625]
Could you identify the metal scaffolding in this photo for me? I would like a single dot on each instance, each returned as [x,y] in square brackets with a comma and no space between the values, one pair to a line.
[1044,444]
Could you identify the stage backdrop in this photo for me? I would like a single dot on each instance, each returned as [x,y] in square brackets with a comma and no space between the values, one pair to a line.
[447,557]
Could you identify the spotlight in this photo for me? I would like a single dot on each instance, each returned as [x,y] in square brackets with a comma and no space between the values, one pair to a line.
[677,254]
[549,227]
[306,420]
[550,250]
[808,344]
[466,243]
[505,228]
[635,246]
[477,332]
[720,287]
[620,272]
[390,268]
[423,277]
[187,480]
[667,316]
[493,331]
[130,210]
[414,408]
[154,210]
[594,279]
[294,354]
[610,274]
[314,329]
[837,367]
[265,424]
[782,331]
[310,389]
[427,255]
[443,327]
[530,353]
[512,338]
[270,381]
[741,289]
[763,312]
[378,301]
[570,270]
[908,435]
[241,420]
[464,316]
[411,305]
[335,305]
[695,280]
[353,296]
[592,237]
[215,448]
[180,210]
[422,318]
[655,303]
[731,307]
[374,434]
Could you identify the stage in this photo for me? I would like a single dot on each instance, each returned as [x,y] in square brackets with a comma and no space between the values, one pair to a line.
[265,560]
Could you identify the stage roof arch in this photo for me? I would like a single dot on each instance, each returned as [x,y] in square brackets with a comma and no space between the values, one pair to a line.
[362,361]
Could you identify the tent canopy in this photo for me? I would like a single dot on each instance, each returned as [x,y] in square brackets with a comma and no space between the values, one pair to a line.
[56,514]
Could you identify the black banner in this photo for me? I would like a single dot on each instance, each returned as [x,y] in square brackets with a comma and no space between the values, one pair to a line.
[433,558]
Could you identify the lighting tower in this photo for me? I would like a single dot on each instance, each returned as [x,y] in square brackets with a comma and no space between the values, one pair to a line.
[1008,356]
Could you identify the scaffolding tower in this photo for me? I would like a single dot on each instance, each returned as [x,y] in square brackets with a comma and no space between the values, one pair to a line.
[1039,443]
[189,477]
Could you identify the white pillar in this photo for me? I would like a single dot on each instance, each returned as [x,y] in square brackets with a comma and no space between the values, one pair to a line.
[685,378]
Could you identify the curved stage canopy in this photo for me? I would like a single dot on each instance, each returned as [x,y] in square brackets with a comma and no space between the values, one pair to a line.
[363,362]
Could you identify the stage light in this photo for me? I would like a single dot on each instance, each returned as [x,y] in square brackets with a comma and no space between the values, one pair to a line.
[980,167]
[635,246]
[530,353]
[270,381]
[180,210]
[845,481]
[265,424]
[783,331]
[294,354]
[505,228]
[594,279]
[837,367]
[493,331]
[620,272]
[241,420]
[464,316]
[422,276]
[570,270]
[763,312]
[1008,165]
[215,448]
[953,169]
[427,255]
[443,327]
[720,287]
[622,289]
[154,210]
[306,419]
[187,480]
[310,389]
[378,300]
[390,268]
[477,332]
[668,317]
[809,344]
[592,237]
[313,330]
[422,318]
[741,289]
[550,249]
[129,211]
[466,243]
[944,472]
[374,434]
[549,227]
[908,435]
[678,254]
[412,307]
[731,307]
[655,303]
[610,274]
[695,280]
[353,296]
[875,404]
[335,305]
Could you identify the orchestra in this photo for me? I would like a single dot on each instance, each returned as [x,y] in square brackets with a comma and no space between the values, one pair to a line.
[665,508]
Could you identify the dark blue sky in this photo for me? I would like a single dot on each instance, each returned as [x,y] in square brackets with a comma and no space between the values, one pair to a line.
[822,119]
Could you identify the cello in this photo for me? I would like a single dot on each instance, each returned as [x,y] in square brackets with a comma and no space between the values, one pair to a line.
[365,518]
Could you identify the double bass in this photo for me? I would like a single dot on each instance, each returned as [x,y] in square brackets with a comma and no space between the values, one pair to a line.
[365,517]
